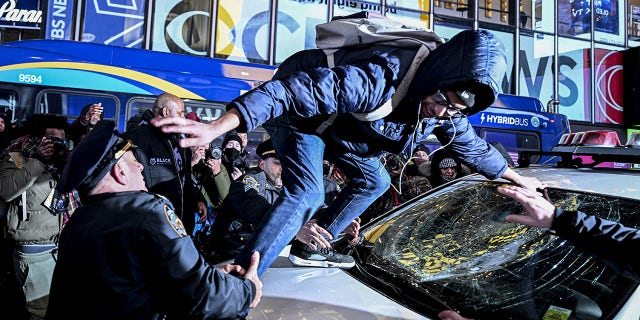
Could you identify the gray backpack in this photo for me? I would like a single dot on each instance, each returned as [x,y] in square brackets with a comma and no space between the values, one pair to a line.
[366,28]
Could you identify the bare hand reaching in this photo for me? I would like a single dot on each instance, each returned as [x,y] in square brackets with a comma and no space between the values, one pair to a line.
[198,133]
[312,235]
[539,211]
[251,274]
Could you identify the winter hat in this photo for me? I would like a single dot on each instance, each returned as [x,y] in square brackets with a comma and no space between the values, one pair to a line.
[447,163]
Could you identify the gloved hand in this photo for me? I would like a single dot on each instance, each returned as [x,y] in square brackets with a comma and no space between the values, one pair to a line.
[314,235]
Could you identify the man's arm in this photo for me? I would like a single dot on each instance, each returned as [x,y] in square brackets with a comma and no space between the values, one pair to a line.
[610,241]
[13,180]
[318,91]
[199,288]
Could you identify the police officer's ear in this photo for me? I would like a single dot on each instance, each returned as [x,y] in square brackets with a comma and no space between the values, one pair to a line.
[118,174]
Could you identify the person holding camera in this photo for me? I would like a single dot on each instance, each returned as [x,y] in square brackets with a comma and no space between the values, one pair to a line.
[233,155]
[223,166]
[29,172]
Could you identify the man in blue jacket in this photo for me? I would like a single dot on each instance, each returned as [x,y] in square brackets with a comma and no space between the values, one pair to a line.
[459,78]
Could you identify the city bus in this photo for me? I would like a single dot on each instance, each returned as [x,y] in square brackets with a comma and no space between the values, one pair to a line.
[57,76]
[521,124]
[62,77]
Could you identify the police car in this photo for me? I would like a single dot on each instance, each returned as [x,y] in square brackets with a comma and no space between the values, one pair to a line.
[450,249]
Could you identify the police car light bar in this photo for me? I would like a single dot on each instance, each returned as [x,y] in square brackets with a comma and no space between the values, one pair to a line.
[600,145]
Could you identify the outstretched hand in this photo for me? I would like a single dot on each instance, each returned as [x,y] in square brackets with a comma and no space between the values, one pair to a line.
[198,133]
[314,235]
[539,211]
[251,274]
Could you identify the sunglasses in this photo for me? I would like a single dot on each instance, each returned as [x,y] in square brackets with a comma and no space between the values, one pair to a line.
[441,98]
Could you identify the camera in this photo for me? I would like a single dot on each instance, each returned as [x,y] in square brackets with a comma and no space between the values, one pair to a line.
[393,163]
[61,144]
[214,153]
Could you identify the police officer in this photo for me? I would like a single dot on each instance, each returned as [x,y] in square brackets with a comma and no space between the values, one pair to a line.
[125,254]
[247,202]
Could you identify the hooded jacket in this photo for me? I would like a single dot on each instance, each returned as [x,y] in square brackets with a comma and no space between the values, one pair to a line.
[307,92]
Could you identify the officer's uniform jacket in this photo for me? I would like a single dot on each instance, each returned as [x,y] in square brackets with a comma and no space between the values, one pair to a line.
[127,256]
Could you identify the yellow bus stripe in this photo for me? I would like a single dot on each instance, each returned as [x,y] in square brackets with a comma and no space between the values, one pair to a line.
[156,82]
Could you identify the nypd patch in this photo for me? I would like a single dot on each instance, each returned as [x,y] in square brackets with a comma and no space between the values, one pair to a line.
[250,183]
[174,221]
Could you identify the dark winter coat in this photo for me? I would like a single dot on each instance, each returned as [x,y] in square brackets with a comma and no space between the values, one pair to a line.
[364,79]
[127,256]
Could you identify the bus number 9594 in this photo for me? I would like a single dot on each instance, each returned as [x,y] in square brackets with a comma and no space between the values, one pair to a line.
[29,78]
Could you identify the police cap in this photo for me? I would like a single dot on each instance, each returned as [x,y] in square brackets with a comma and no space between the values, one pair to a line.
[93,158]
[265,150]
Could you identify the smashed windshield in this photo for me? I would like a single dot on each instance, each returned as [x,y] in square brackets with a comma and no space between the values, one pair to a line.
[452,250]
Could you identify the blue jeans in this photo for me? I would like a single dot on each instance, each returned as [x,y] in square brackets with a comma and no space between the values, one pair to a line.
[301,158]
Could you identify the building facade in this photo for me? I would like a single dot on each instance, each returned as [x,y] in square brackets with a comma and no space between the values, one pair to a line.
[567,53]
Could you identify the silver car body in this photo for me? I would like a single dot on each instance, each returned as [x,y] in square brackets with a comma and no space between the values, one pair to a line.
[292,292]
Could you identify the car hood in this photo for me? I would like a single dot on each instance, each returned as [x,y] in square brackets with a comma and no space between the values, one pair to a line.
[291,292]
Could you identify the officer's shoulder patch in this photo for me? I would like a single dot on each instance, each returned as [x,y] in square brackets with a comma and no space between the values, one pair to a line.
[174,221]
[250,182]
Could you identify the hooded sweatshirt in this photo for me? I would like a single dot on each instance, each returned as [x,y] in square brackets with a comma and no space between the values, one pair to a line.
[306,92]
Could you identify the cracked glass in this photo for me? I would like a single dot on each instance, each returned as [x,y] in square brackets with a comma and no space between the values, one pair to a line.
[452,250]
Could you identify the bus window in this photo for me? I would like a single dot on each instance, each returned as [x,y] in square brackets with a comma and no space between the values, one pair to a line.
[8,103]
[135,108]
[205,111]
[71,103]
[513,141]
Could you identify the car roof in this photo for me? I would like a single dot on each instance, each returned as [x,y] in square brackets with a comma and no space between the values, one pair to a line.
[609,181]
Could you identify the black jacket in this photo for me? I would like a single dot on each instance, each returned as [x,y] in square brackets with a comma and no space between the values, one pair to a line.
[163,172]
[126,256]
[607,240]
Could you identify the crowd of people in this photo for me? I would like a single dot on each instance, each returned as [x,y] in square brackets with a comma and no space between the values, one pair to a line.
[106,230]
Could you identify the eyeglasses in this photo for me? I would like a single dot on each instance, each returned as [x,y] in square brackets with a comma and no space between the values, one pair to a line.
[441,98]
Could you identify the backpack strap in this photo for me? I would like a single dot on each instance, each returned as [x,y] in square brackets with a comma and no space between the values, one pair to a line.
[388,106]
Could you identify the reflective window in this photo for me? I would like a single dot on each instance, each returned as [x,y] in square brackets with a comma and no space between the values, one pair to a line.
[70,103]
[574,87]
[8,104]
[458,9]
[407,4]
[182,26]
[243,30]
[537,15]
[574,18]
[343,8]
[608,85]
[296,22]
[633,26]
[452,250]
[410,18]
[536,66]
[126,23]
[513,141]
[206,111]
[495,11]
